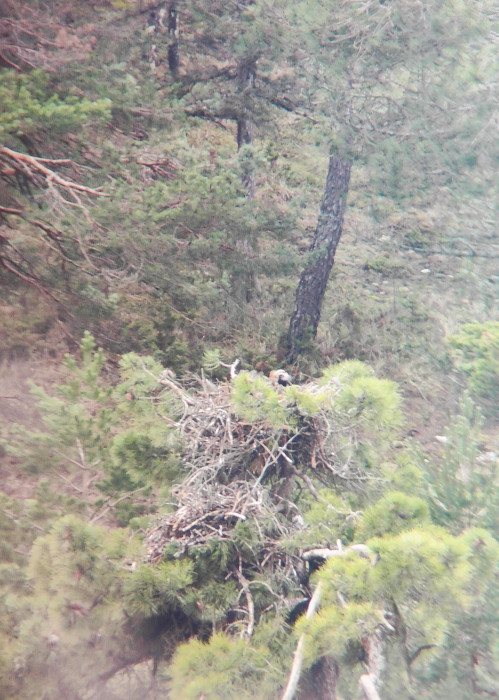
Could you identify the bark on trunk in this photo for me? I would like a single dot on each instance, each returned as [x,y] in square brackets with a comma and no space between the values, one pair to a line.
[314,278]
[370,681]
[319,681]
[173,31]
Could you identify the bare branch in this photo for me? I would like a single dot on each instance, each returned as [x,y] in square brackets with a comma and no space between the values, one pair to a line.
[251,606]
[36,171]
[326,553]
[418,651]
[294,676]
[368,687]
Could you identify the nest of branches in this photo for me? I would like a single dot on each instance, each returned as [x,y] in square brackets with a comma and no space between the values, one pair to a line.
[238,470]
[226,461]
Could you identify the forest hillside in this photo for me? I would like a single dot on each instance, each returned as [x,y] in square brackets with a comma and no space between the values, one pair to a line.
[249,350]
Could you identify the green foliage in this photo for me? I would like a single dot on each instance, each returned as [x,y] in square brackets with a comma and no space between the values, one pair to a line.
[146,453]
[420,578]
[476,348]
[462,485]
[308,403]
[30,105]
[152,591]
[76,422]
[73,541]
[70,615]
[222,668]
[474,630]
[115,440]
[179,260]
[84,382]
[256,399]
[393,513]
[420,568]
[327,520]
[406,476]
[139,374]
[212,359]
[358,412]
[366,408]
[339,631]
[375,400]
[348,389]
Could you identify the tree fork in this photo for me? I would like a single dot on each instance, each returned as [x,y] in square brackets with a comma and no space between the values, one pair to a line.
[314,278]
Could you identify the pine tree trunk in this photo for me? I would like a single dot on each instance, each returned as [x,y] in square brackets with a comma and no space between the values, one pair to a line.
[173,52]
[246,74]
[319,681]
[244,282]
[314,278]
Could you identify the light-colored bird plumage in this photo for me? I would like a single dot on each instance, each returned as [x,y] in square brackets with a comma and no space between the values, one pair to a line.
[280,377]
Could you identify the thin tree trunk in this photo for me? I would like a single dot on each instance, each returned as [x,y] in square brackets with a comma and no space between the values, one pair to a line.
[246,74]
[314,278]
[244,282]
[319,681]
[173,31]
[370,681]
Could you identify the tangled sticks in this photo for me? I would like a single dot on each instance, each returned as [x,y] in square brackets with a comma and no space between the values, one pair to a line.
[247,444]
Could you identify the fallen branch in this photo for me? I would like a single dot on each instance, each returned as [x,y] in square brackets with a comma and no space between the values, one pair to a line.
[36,171]
[9,210]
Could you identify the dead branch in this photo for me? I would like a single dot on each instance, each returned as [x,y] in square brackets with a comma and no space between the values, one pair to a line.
[294,676]
[186,399]
[419,651]
[37,172]
[251,606]
[13,260]
[69,482]
[308,483]
[9,210]
[31,279]
[368,687]
[160,166]
[10,63]
[325,553]
[110,506]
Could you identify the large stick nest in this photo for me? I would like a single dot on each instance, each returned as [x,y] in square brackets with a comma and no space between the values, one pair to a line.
[238,470]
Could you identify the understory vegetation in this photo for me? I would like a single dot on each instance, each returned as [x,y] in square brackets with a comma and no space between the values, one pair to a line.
[249,359]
